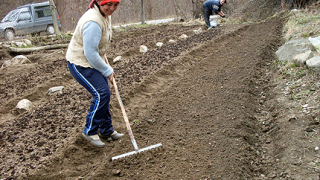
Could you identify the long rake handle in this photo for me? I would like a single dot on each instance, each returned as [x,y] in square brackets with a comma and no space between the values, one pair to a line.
[125,117]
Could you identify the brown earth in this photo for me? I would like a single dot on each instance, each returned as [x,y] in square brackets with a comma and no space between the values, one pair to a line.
[215,101]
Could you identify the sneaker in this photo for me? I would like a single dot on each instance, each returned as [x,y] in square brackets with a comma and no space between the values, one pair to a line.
[94,140]
[115,136]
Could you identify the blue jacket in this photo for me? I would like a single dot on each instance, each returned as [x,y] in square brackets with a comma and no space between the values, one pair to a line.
[213,5]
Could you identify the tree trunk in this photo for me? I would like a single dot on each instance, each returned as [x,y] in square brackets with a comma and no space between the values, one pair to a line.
[33,49]
[54,17]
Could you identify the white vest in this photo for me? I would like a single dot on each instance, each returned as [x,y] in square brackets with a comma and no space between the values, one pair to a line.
[75,52]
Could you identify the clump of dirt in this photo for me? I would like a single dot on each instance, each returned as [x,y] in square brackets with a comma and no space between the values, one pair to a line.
[212,100]
[4,55]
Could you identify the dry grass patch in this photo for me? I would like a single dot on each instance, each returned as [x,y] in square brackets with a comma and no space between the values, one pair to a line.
[302,24]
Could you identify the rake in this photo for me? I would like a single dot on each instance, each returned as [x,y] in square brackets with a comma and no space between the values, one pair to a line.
[134,143]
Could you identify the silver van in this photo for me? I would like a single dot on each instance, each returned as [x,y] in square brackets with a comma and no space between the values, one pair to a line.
[28,19]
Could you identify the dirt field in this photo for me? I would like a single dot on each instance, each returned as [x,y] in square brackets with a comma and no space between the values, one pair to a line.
[212,100]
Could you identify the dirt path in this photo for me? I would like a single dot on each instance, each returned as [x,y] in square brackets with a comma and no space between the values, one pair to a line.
[198,97]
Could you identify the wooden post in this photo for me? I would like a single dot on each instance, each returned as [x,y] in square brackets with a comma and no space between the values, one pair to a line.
[142,13]
[54,17]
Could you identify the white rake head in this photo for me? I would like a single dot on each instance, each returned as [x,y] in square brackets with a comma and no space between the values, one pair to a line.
[136,152]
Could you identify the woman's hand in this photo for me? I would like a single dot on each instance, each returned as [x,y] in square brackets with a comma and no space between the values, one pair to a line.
[111,77]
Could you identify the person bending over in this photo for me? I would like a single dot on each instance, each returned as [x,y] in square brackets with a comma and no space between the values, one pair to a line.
[215,6]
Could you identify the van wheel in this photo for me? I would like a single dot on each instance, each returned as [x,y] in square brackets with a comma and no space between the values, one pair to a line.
[50,29]
[9,34]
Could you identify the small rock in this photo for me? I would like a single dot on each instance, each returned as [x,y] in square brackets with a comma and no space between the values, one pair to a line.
[159,44]
[28,42]
[268,141]
[24,105]
[315,42]
[150,121]
[183,37]
[198,31]
[143,49]
[20,59]
[116,172]
[301,59]
[20,44]
[117,59]
[173,41]
[55,90]
[314,63]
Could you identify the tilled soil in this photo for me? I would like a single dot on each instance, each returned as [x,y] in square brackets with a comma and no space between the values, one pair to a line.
[199,97]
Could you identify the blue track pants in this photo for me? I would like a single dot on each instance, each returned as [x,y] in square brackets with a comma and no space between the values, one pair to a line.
[98,117]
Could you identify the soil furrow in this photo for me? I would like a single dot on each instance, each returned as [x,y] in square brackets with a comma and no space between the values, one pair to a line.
[197,96]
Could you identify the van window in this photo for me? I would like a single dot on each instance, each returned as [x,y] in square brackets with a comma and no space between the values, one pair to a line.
[43,13]
[24,16]
[24,9]
[10,17]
